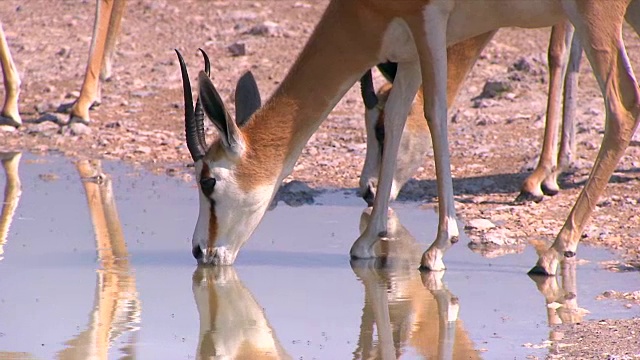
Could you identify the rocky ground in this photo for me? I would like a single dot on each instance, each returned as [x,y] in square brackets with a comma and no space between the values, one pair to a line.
[494,143]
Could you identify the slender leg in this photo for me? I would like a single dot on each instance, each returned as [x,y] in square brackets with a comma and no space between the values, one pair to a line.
[431,45]
[10,114]
[402,94]
[372,156]
[532,190]
[90,92]
[567,154]
[611,66]
[112,36]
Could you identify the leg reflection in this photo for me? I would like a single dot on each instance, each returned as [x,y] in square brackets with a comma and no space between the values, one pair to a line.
[561,300]
[12,191]
[116,307]
[411,312]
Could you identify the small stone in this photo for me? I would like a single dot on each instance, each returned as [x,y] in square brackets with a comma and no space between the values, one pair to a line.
[77,129]
[48,177]
[242,15]
[44,128]
[295,193]
[480,224]
[65,51]
[142,93]
[237,49]
[143,150]
[522,64]
[43,107]
[7,128]
[72,95]
[267,28]
[494,88]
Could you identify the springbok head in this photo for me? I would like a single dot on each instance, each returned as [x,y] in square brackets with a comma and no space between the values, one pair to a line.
[229,209]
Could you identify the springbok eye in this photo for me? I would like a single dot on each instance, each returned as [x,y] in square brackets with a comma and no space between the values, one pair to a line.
[207,184]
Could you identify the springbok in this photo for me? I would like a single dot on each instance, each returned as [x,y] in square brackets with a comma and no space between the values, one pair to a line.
[232,323]
[240,172]
[12,191]
[105,32]
[116,309]
[420,312]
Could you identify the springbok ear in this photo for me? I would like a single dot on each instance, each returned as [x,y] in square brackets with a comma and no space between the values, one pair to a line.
[247,98]
[367,91]
[216,111]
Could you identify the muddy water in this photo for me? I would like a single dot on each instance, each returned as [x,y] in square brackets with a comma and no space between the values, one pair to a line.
[101,267]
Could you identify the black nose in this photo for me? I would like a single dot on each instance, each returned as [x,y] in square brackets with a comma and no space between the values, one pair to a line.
[197,252]
[368,196]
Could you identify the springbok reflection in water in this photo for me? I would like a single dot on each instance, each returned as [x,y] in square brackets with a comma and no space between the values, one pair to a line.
[411,312]
[561,299]
[116,306]
[232,323]
[12,192]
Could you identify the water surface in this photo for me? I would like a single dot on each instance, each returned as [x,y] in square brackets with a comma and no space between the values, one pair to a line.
[103,268]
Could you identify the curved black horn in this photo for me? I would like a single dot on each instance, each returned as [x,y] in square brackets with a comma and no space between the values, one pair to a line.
[207,63]
[366,90]
[199,113]
[196,148]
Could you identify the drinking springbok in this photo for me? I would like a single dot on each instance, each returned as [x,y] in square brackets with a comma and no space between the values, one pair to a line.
[240,172]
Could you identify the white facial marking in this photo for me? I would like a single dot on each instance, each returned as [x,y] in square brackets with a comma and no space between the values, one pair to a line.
[237,214]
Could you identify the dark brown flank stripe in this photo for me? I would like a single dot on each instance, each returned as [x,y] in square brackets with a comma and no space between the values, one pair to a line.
[213,220]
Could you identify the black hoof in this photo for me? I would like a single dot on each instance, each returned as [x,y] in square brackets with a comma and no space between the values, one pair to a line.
[538,270]
[77,119]
[368,197]
[424,269]
[527,197]
[197,253]
[8,121]
[547,191]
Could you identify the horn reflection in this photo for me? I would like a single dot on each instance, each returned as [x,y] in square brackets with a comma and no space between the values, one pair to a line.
[116,308]
[232,323]
[411,312]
